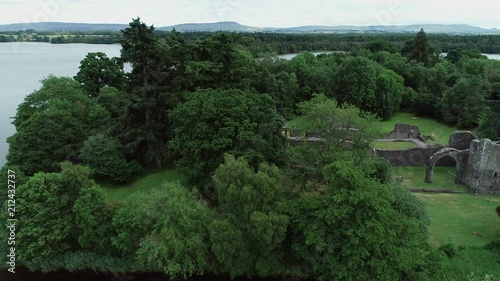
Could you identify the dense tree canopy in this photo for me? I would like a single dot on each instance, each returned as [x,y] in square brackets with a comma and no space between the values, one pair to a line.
[52,124]
[46,233]
[165,231]
[97,71]
[248,236]
[212,123]
[365,84]
[464,103]
[353,233]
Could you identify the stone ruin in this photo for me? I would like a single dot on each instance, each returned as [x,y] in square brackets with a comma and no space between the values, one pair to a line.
[477,161]
[404,131]
[478,166]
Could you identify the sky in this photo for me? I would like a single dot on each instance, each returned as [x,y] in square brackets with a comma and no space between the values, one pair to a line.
[258,13]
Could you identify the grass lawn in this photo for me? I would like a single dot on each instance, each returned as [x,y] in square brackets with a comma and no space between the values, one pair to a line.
[415,177]
[457,217]
[155,179]
[393,145]
[297,123]
[427,126]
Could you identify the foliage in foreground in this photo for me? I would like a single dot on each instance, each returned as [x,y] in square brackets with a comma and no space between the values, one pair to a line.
[353,233]
[165,231]
[72,210]
[248,235]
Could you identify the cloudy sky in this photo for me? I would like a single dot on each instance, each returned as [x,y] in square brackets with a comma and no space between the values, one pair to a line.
[260,13]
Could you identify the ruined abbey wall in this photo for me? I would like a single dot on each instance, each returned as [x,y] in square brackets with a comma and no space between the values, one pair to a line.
[482,173]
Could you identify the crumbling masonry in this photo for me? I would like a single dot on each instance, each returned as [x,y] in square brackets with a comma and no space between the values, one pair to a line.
[478,167]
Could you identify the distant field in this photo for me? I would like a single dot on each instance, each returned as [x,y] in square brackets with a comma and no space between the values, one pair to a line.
[444,177]
[393,145]
[427,126]
[464,219]
[121,193]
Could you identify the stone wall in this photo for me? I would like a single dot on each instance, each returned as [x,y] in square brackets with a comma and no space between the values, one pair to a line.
[483,167]
[461,140]
[404,131]
[412,157]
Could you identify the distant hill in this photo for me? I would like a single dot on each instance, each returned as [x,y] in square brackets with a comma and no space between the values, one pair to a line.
[429,28]
[63,26]
[234,26]
[216,26]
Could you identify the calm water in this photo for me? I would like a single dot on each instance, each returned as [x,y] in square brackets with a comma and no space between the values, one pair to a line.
[23,65]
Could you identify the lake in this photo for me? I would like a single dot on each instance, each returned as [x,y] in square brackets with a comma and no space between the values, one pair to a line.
[24,64]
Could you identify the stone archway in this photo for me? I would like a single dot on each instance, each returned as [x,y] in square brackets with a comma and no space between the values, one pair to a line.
[460,156]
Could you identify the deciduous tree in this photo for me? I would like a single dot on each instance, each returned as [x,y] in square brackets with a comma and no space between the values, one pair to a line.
[212,123]
[248,236]
[97,71]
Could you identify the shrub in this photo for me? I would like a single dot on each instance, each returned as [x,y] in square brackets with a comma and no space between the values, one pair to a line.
[102,154]
[450,249]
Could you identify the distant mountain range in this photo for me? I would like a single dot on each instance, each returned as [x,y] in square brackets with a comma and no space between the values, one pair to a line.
[234,26]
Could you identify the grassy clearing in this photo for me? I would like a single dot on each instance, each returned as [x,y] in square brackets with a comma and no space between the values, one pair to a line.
[444,177]
[393,145]
[427,126]
[155,179]
[457,217]
[297,123]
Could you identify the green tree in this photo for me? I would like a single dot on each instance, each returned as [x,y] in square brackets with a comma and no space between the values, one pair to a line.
[365,84]
[345,132]
[141,48]
[248,236]
[490,127]
[165,230]
[146,127]
[97,71]
[418,49]
[353,233]
[52,124]
[104,156]
[59,213]
[464,103]
[212,123]
[44,231]
[389,90]
[431,85]
[380,45]
[283,88]
[216,62]
[93,218]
